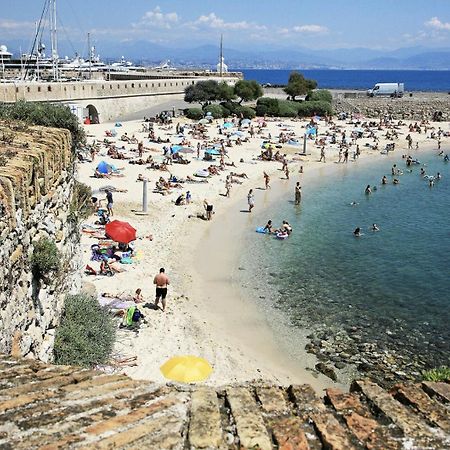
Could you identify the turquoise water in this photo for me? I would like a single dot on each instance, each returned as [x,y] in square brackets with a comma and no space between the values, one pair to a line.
[393,285]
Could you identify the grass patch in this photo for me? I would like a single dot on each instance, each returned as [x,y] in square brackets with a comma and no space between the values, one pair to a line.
[437,374]
[45,258]
[86,334]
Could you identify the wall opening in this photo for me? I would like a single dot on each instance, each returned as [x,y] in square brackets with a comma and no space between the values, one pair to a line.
[92,114]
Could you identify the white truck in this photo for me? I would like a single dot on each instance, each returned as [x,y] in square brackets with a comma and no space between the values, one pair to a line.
[388,89]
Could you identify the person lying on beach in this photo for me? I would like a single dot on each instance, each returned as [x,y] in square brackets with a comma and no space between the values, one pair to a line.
[196,180]
[98,174]
[240,175]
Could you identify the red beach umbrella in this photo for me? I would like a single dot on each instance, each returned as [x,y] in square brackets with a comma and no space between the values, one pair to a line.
[121,232]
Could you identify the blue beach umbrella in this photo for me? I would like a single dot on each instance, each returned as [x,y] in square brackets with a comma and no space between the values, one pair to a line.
[175,149]
[104,167]
[227,125]
[212,151]
[244,121]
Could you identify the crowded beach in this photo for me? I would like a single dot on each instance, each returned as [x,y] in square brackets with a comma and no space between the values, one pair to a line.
[139,248]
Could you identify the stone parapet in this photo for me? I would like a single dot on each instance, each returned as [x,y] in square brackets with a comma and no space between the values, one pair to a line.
[59,407]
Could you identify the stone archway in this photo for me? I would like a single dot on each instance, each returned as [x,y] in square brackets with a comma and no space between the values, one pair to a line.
[93,114]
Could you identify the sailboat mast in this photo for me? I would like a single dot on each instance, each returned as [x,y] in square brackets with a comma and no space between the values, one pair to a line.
[90,55]
[221,56]
[54,38]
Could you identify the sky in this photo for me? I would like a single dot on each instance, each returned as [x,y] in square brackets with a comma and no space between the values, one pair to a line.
[245,24]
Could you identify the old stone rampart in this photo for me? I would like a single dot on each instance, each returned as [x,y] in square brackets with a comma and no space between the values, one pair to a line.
[36,184]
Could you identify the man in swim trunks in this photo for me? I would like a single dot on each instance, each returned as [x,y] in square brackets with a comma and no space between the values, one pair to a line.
[161,281]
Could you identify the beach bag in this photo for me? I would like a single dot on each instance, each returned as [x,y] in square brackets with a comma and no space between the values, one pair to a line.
[132,315]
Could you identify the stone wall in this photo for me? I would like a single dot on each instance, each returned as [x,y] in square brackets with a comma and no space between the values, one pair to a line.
[419,106]
[36,184]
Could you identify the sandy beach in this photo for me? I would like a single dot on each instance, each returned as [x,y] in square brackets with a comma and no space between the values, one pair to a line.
[207,314]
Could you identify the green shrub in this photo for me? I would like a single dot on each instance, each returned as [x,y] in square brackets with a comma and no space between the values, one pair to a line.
[45,114]
[438,374]
[86,334]
[230,106]
[270,105]
[45,258]
[80,206]
[320,95]
[287,108]
[320,108]
[194,113]
[217,111]
[245,112]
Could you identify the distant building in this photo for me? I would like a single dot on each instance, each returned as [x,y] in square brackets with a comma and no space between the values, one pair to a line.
[222,67]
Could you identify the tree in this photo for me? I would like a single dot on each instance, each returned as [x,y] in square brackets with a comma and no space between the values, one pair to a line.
[299,85]
[202,92]
[248,90]
[225,92]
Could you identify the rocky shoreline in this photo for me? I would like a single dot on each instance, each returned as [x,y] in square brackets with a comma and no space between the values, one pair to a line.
[413,106]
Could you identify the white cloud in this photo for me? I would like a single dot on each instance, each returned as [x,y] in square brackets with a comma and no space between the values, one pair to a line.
[13,28]
[157,18]
[436,24]
[311,29]
[213,21]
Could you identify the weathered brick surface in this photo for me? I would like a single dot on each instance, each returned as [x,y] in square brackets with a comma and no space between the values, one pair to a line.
[411,424]
[205,429]
[249,422]
[440,389]
[272,400]
[55,408]
[288,433]
[362,423]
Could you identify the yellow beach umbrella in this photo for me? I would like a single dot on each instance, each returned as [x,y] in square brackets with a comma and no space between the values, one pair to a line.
[186,369]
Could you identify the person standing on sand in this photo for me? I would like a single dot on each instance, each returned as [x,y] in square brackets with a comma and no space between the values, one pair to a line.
[208,209]
[266,180]
[346,155]
[250,200]
[322,154]
[109,202]
[161,281]
[298,193]
[228,186]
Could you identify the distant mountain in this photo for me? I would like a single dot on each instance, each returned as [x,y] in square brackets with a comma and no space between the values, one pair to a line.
[146,52]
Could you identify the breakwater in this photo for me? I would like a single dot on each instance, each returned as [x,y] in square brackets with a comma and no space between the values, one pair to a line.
[424,105]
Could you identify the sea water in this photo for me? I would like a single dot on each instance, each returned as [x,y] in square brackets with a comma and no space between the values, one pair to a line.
[414,80]
[393,284]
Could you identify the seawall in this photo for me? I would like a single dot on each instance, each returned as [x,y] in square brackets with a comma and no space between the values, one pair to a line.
[104,100]
[36,186]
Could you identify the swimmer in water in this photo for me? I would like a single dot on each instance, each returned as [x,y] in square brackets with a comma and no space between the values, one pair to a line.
[357,232]
[375,227]
[431,182]
[368,190]
[354,203]
[438,176]
[384,180]
[422,172]
[269,227]
[396,181]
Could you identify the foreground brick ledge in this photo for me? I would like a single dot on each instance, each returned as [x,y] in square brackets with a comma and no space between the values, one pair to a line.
[60,407]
